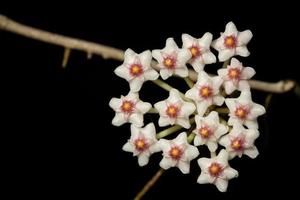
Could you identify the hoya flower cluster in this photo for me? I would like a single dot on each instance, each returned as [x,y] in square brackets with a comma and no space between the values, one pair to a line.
[200,110]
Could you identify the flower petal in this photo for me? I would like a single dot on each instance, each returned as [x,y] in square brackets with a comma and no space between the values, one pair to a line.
[164,145]
[128,147]
[166,163]
[123,72]
[230,29]
[149,131]
[257,110]
[183,56]
[184,122]
[157,55]
[221,130]
[182,72]
[161,107]
[174,96]
[225,54]
[191,152]
[247,73]
[221,184]
[230,173]
[204,163]
[225,141]
[136,119]
[136,84]
[251,152]
[170,46]
[223,73]
[188,108]
[187,40]
[135,132]
[218,100]
[222,157]
[192,93]
[243,85]
[163,121]
[197,65]
[184,167]
[181,139]
[119,119]
[252,124]
[204,178]
[242,51]
[244,37]
[151,74]
[198,140]
[145,58]
[115,103]
[209,58]
[202,107]
[212,146]
[143,159]
[143,107]
[165,73]
[206,40]
[229,87]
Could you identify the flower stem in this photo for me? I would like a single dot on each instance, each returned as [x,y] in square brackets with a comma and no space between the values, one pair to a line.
[222,110]
[225,63]
[167,87]
[189,82]
[212,154]
[152,110]
[149,184]
[191,137]
[168,131]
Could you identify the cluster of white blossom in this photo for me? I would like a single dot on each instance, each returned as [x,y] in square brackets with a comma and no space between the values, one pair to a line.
[236,136]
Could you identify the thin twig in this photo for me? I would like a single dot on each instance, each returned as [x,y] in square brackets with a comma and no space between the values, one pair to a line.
[149,184]
[113,53]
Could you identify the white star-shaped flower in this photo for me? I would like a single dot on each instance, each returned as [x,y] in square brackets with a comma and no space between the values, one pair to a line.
[232,42]
[240,141]
[174,110]
[206,92]
[216,171]
[236,76]
[209,130]
[243,110]
[142,143]
[129,109]
[200,50]
[172,60]
[177,153]
[136,69]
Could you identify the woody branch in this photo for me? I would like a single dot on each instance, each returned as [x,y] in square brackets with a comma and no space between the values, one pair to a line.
[108,52]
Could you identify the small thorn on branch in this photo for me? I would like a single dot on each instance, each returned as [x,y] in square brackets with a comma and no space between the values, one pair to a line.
[66,57]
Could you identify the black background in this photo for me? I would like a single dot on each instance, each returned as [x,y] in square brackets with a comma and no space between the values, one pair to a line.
[61,141]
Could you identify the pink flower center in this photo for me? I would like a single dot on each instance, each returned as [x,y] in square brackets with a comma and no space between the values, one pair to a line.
[230,42]
[205,91]
[195,51]
[241,112]
[136,70]
[205,132]
[175,153]
[169,62]
[127,107]
[234,73]
[140,144]
[237,144]
[172,111]
[215,169]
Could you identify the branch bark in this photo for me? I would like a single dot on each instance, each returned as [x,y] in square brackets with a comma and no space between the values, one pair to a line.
[108,52]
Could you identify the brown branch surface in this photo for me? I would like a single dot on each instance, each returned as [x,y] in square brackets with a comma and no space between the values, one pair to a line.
[113,53]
